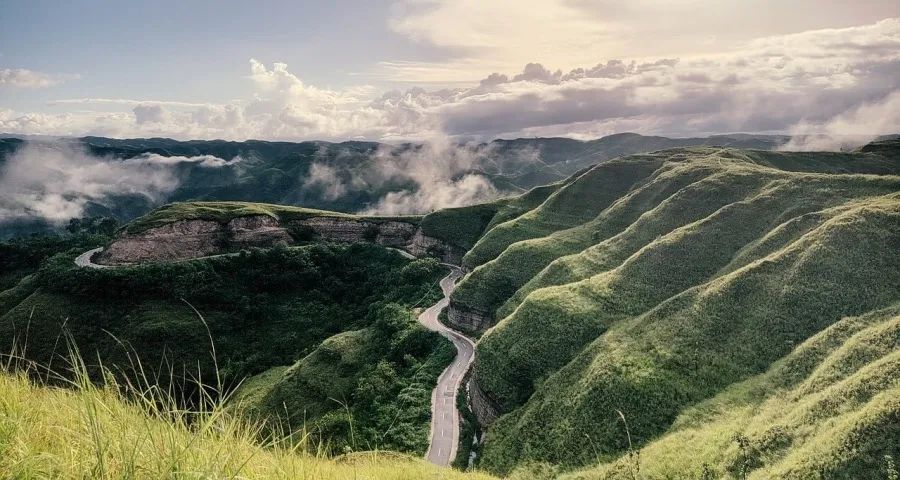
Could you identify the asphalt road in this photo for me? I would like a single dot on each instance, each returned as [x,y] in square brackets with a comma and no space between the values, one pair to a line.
[84,260]
[444,415]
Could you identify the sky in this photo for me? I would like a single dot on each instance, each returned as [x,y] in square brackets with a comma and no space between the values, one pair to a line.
[398,70]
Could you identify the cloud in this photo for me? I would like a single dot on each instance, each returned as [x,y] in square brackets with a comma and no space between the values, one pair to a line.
[767,85]
[468,39]
[326,177]
[56,181]
[850,129]
[441,171]
[150,114]
[24,78]
[125,101]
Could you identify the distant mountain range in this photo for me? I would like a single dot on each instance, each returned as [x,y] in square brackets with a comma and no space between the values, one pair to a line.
[349,176]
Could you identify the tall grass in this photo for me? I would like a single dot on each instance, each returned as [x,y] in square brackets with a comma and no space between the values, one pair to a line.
[66,426]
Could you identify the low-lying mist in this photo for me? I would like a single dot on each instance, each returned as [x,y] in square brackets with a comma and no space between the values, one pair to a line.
[55,180]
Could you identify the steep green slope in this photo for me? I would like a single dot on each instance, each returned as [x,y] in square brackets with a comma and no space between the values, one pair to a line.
[463,226]
[829,409]
[683,350]
[663,281]
[603,202]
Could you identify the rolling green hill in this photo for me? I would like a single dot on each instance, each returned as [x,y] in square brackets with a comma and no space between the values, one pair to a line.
[653,283]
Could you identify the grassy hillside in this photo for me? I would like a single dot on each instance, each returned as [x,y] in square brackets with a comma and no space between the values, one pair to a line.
[463,226]
[360,389]
[653,283]
[829,409]
[223,212]
[92,432]
[261,310]
[609,198]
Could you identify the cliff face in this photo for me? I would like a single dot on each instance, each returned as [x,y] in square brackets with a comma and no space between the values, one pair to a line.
[424,246]
[481,405]
[468,320]
[188,239]
[194,238]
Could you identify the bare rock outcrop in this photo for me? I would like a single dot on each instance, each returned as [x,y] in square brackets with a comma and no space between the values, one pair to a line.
[255,231]
[425,246]
[174,241]
[480,403]
[349,230]
[467,319]
[186,239]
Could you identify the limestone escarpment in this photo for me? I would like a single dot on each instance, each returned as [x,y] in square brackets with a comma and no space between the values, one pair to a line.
[425,246]
[485,410]
[186,239]
[467,319]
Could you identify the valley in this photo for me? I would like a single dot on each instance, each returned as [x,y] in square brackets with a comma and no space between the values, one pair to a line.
[705,312]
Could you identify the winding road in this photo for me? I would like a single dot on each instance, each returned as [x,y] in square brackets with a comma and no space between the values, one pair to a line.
[85,259]
[444,414]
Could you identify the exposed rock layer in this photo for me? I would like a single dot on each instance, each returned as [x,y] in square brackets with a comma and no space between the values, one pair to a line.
[468,320]
[188,239]
[482,406]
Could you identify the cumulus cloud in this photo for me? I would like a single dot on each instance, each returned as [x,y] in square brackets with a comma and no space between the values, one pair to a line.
[150,114]
[55,181]
[770,85]
[444,174]
[24,78]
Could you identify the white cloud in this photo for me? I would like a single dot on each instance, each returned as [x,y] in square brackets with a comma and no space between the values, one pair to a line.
[326,177]
[55,181]
[125,101]
[849,129]
[24,78]
[150,114]
[476,37]
[766,85]
[441,171]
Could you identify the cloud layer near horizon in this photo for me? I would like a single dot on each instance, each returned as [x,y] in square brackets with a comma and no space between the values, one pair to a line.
[824,81]
[55,181]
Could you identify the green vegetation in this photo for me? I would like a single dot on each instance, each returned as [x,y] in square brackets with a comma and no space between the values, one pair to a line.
[90,431]
[653,283]
[469,431]
[463,226]
[22,256]
[223,212]
[263,309]
[688,313]
[361,389]
[829,409]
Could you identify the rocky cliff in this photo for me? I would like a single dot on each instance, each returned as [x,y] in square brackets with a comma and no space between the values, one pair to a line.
[186,239]
[481,405]
[468,320]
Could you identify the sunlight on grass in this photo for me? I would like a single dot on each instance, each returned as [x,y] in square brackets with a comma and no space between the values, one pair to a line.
[137,431]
